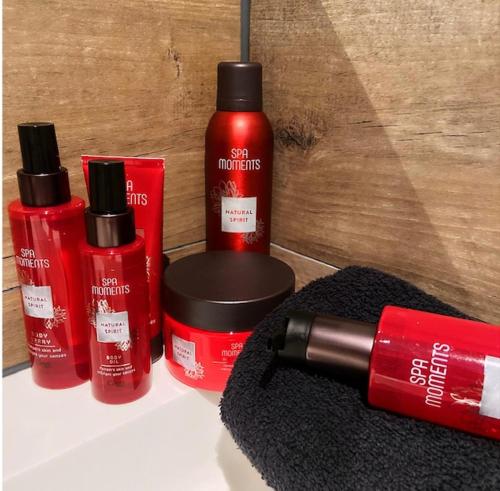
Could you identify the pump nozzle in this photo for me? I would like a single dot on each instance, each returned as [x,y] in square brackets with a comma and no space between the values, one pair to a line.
[109,221]
[39,148]
[107,189]
[42,181]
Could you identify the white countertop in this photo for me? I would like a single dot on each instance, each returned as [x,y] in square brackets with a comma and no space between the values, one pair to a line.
[170,439]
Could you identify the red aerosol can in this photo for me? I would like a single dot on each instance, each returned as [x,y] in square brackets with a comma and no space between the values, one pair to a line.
[238,162]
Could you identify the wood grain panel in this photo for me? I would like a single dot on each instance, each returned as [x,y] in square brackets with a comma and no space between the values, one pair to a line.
[306,269]
[119,77]
[134,77]
[14,345]
[13,329]
[387,118]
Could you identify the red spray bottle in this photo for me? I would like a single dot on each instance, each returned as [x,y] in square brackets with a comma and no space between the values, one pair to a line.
[116,290]
[47,231]
[144,182]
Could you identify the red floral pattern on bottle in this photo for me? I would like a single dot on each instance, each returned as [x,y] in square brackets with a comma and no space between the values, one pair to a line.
[25,278]
[468,396]
[60,315]
[223,189]
[197,373]
[148,267]
[123,345]
[253,237]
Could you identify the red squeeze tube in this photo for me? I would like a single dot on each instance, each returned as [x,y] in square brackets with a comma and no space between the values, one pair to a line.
[427,366]
[238,163]
[47,230]
[116,292]
[144,182]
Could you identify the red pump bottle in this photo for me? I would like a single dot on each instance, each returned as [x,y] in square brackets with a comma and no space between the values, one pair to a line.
[238,163]
[427,366]
[47,230]
[116,291]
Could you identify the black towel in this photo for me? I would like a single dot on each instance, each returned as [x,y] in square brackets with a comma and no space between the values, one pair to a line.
[304,430]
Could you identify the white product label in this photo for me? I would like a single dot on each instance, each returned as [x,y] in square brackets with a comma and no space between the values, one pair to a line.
[184,352]
[238,214]
[490,400]
[37,301]
[112,327]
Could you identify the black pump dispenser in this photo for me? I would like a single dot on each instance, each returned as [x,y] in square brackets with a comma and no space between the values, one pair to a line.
[42,181]
[108,219]
[39,148]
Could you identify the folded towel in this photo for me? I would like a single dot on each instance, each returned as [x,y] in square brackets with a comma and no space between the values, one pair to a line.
[304,430]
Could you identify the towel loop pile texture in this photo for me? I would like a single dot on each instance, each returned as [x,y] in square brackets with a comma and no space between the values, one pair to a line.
[303,430]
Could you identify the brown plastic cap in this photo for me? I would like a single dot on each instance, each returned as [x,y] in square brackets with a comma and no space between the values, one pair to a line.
[239,86]
[343,346]
[225,290]
[340,346]
[40,190]
[110,230]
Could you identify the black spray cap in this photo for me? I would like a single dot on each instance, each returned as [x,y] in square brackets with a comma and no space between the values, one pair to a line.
[42,181]
[39,148]
[107,187]
[239,86]
[108,219]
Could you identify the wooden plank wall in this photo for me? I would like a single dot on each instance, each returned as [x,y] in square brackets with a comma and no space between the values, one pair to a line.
[387,117]
[126,77]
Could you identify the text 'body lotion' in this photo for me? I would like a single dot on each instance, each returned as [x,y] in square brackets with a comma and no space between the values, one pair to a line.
[238,162]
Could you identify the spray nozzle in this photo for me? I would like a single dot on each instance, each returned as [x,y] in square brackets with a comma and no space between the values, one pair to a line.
[107,191]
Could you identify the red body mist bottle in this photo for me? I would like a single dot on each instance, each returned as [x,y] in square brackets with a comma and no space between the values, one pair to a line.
[432,367]
[238,163]
[47,231]
[116,290]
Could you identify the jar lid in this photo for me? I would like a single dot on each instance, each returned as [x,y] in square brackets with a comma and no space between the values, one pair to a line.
[225,290]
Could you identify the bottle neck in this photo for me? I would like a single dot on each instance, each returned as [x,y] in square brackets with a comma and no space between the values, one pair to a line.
[239,86]
[238,105]
[110,230]
[340,346]
[41,190]
[343,346]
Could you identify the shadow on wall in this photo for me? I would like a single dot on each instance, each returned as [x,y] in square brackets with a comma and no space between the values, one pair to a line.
[341,191]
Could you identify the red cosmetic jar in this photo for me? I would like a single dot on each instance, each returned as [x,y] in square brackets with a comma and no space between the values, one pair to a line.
[212,302]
